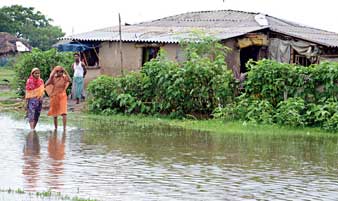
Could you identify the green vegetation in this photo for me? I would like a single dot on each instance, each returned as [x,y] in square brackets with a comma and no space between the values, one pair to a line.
[287,95]
[6,76]
[99,122]
[7,94]
[202,87]
[193,88]
[217,126]
[276,82]
[45,194]
[29,24]
[44,60]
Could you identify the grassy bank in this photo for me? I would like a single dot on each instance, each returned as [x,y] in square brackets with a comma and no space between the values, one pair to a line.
[6,75]
[213,125]
[6,82]
[216,126]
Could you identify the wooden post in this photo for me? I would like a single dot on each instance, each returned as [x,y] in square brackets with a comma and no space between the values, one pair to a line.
[120,45]
[97,56]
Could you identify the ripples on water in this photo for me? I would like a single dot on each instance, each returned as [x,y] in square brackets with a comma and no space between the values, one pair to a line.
[125,163]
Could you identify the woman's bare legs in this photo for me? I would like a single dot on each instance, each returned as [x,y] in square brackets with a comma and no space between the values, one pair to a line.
[32,125]
[55,123]
[64,121]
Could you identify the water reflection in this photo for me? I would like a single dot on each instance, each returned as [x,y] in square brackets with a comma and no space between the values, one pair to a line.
[120,162]
[31,157]
[56,154]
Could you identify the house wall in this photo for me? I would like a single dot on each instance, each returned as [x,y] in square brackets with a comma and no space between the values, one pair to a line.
[92,73]
[233,57]
[173,51]
[110,61]
[109,57]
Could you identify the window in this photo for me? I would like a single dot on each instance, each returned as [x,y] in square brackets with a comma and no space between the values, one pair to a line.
[149,53]
[302,60]
[90,57]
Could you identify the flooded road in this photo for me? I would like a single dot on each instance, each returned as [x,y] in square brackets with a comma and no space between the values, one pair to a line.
[126,163]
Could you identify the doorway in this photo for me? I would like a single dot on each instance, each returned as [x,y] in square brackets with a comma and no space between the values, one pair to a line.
[247,53]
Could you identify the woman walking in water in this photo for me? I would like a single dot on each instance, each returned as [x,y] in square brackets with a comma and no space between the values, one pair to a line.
[34,93]
[56,87]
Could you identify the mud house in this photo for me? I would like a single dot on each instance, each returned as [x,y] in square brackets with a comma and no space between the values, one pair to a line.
[249,35]
[11,46]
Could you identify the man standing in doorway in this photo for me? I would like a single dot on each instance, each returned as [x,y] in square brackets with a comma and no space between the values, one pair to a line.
[80,72]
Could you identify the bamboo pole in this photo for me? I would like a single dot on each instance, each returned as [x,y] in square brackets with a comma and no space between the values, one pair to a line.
[120,45]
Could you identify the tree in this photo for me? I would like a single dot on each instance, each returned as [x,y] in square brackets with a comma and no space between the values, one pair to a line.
[29,24]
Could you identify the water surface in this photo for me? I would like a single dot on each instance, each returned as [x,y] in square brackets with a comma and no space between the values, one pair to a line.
[121,162]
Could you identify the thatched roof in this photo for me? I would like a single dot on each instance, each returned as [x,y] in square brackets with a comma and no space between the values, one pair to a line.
[8,43]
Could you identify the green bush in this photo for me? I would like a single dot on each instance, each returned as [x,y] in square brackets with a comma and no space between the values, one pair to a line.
[277,82]
[44,60]
[103,94]
[332,123]
[191,88]
[247,109]
[291,112]
[319,114]
[118,95]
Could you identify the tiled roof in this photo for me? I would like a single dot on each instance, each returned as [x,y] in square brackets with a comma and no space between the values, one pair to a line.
[223,24]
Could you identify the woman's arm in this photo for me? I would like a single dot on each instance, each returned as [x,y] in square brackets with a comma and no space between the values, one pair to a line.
[50,80]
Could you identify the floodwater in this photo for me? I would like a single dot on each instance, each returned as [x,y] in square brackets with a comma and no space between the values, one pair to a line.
[125,163]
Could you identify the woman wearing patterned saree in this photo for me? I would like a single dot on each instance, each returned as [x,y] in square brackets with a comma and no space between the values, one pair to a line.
[34,94]
[56,87]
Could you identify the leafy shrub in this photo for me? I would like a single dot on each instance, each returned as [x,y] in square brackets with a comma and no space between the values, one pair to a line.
[260,111]
[332,123]
[194,87]
[44,60]
[325,80]
[104,91]
[277,82]
[319,114]
[247,109]
[291,112]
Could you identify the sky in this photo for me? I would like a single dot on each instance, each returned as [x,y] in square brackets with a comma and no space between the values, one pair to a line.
[77,16]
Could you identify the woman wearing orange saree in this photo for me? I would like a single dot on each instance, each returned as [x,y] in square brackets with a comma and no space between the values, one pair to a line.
[34,92]
[56,87]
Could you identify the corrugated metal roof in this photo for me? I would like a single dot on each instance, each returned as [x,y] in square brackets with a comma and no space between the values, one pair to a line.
[138,33]
[222,24]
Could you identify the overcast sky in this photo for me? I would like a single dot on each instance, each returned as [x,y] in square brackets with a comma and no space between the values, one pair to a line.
[80,15]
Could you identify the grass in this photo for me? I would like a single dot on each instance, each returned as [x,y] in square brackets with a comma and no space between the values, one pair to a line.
[6,74]
[8,94]
[6,81]
[216,126]
[213,125]
[45,194]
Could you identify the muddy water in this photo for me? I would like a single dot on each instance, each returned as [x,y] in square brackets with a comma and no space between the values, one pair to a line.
[124,163]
